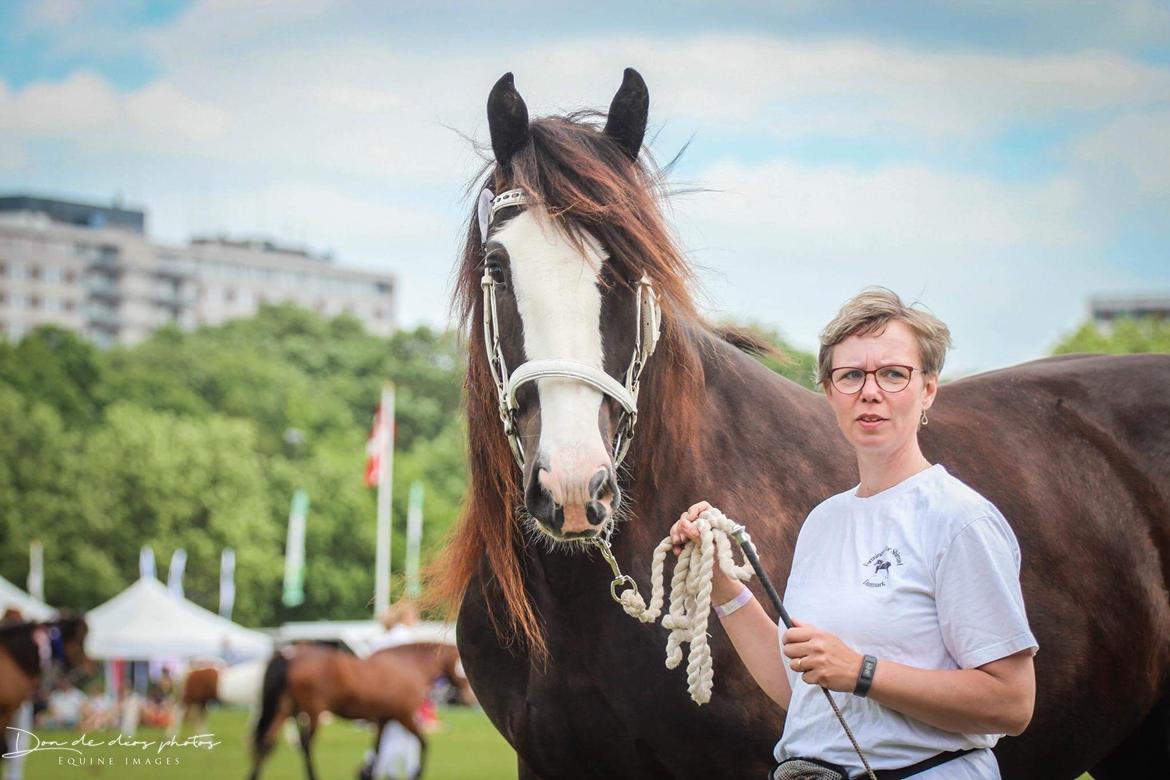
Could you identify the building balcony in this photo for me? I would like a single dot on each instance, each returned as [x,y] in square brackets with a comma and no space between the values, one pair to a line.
[106,291]
[104,319]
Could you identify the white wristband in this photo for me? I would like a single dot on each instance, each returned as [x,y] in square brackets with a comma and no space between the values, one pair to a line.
[725,609]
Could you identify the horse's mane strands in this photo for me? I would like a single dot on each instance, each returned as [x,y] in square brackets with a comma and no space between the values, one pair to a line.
[585,182]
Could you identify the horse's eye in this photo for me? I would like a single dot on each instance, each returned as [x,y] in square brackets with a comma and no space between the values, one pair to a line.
[497,272]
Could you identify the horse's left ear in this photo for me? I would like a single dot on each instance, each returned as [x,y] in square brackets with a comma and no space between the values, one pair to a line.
[628,113]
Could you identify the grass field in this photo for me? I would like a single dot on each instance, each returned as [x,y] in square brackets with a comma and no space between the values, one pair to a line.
[467,747]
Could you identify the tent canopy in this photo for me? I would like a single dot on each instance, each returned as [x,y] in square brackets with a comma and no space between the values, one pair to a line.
[146,621]
[29,608]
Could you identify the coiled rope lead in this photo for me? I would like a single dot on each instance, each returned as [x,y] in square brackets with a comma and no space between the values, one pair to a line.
[690,601]
[690,597]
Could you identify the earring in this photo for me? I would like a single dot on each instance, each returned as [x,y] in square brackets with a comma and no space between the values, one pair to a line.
[924,420]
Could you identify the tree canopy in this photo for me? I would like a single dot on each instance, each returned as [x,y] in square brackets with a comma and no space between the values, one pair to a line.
[199,440]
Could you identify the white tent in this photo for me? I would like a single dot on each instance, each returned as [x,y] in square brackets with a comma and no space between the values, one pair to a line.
[29,608]
[146,621]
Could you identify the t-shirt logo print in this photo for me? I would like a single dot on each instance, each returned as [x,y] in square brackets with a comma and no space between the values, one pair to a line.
[882,564]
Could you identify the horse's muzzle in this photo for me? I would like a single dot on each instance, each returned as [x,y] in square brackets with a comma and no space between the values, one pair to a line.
[568,508]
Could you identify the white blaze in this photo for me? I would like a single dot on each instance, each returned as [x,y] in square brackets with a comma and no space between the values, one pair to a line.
[555,287]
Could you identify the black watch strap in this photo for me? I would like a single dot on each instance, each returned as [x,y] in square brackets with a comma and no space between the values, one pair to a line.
[865,678]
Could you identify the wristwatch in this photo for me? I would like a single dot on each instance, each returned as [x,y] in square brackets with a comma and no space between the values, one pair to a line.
[865,677]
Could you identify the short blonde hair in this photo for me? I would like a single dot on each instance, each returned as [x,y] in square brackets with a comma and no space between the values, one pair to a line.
[869,312]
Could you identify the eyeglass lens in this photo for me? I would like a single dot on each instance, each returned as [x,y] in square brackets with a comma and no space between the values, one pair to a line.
[889,378]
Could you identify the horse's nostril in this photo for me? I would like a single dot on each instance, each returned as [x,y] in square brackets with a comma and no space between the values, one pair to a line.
[595,512]
[599,485]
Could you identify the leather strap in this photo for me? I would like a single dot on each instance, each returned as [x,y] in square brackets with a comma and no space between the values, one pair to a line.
[921,766]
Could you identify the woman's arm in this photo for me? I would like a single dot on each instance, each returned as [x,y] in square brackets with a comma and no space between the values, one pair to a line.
[752,632]
[756,639]
[995,698]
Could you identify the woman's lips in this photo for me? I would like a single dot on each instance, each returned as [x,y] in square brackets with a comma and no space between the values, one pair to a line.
[869,422]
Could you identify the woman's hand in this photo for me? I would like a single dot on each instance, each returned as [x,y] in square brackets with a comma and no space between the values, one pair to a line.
[821,658]
[723,588]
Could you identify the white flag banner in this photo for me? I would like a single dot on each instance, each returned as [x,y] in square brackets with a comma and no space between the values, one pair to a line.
[175,576]
[414,521]
[227,582]
[36,570]
[146,562]
[294,551]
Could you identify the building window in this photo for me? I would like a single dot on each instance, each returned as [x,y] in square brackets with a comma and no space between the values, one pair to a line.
[3,269]
[68,305]
[34,272]
[70,277]
[229,294]
[34,301]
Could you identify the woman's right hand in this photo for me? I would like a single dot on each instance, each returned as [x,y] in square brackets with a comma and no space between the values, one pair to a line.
[685,530]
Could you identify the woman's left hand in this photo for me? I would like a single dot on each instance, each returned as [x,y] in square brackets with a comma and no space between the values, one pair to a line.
[821,658]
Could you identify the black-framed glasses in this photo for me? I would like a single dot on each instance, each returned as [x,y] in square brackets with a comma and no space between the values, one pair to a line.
[850,379]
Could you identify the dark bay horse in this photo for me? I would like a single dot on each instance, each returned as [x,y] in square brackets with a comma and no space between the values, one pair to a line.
[391,684]
[1075,451]
[27,650]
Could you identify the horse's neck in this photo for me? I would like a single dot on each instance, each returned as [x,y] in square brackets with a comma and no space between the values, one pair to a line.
[17,641]
[755,434]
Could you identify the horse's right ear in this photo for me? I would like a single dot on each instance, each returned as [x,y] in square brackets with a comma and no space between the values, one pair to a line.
[507,119]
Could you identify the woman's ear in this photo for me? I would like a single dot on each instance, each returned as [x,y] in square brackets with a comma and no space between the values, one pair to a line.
[929,391]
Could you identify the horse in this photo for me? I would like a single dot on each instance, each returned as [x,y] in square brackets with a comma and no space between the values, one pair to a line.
[389,685]
[570,275]
[203,685]
[27,651]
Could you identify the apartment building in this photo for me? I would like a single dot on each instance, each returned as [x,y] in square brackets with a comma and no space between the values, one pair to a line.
[93,269]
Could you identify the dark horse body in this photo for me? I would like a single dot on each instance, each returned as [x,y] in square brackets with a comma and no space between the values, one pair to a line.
[1075,451]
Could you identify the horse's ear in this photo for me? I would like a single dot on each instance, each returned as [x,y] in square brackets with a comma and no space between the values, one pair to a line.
[628,113]
[507,119]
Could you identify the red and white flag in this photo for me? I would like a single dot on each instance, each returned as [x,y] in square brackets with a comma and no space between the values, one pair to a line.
[376,447]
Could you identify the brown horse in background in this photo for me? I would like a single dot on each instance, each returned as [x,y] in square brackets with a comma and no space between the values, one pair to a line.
[203,685]
[1075,451]
[22,663]
[391,684]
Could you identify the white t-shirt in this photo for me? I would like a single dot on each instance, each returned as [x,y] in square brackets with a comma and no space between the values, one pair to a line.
[926,573]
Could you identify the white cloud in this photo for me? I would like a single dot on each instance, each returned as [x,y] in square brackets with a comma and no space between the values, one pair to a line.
[329,140]
[1135,147]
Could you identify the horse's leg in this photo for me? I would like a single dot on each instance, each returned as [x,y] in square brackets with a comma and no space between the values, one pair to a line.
[1145,753]
[267,741]
[307,724]
[371,761]
[201,717]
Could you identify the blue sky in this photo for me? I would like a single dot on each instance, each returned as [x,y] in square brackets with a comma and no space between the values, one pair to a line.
[1000,161]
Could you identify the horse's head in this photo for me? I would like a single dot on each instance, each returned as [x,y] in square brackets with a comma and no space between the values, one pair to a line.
[71,631]
[570,310]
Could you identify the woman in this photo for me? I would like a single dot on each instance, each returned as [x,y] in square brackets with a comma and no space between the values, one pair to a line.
[905,589]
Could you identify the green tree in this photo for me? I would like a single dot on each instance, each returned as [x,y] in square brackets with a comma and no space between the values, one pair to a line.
[1124,337]
[784,359]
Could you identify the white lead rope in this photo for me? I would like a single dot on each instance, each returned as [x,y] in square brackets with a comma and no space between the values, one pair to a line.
[690,598]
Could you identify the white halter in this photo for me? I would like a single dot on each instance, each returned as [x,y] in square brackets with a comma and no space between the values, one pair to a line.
[647,326]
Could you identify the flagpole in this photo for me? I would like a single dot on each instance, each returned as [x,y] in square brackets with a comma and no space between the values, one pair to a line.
[385,487]
[414,520]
